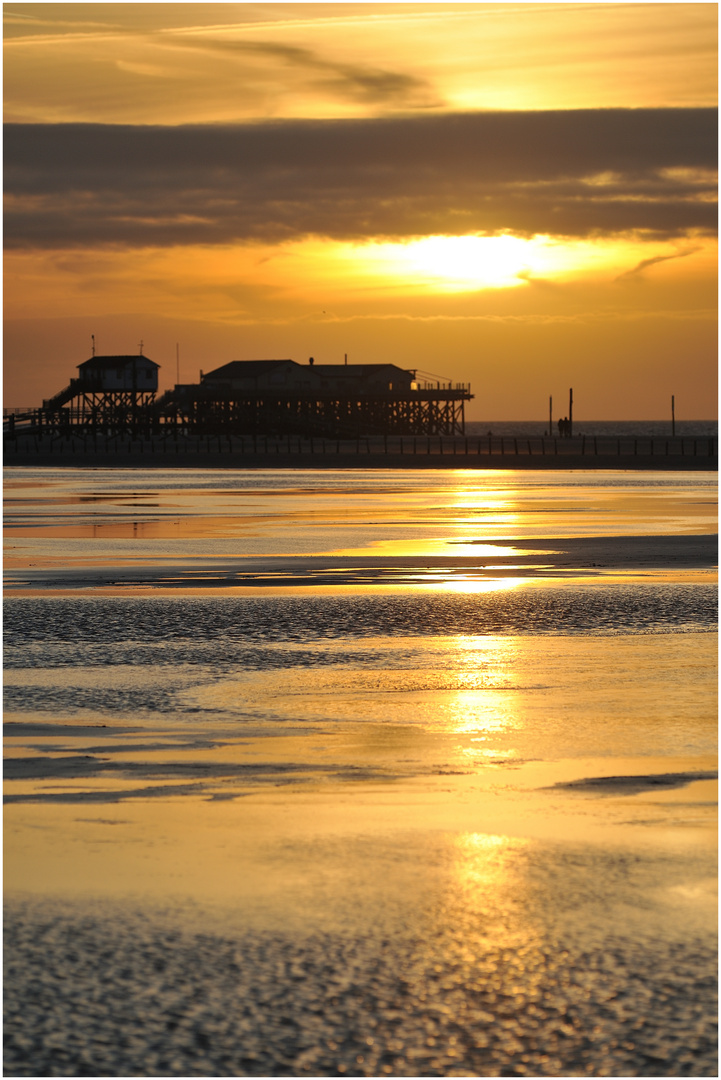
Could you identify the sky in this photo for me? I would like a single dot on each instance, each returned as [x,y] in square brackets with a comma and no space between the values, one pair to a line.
[518,196]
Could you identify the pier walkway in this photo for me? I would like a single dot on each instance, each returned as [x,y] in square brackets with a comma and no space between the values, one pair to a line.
[460,452]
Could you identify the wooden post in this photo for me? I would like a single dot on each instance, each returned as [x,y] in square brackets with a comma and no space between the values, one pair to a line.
[673,416]
[550,417]
[570,413]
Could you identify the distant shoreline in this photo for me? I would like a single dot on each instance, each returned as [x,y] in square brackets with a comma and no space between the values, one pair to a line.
[658,429]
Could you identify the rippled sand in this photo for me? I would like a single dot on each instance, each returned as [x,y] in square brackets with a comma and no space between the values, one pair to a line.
[442,989]
[321,787]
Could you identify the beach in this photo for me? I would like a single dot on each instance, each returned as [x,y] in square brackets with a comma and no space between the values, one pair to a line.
[319,772]
[352,725]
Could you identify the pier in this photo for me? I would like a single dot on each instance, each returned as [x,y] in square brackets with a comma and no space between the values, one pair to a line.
[174,447]
[116,397]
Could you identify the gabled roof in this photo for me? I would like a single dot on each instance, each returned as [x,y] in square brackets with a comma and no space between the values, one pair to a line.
[102,362]
[358,369]
[245,369]
[253,369]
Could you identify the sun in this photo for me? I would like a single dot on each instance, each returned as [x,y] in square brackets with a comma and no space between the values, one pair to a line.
[462,262]
[455,263]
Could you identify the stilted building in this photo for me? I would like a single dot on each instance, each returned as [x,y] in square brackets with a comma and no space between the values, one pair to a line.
[336,400]
[110,393]
[117,394]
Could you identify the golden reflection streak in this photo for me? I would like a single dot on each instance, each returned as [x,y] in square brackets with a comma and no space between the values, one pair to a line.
[468,585]
[483,668]
[483,508]
[468,502]
[487,870]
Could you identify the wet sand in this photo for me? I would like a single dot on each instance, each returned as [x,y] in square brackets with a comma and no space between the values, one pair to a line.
[452,927]
[551,559]
[383,887]
[112,991]
[295,802]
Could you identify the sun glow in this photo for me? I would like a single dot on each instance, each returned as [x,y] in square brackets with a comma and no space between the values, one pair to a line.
[455,264]
[458,263]
[462,262]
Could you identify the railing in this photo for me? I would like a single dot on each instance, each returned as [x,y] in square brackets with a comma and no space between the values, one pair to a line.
[462,450]
[464,388]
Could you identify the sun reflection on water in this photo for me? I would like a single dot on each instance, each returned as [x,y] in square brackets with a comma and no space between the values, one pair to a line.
[484,701]
[468,584]
[487,869]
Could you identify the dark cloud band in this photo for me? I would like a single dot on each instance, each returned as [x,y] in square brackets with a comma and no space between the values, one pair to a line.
[575,173]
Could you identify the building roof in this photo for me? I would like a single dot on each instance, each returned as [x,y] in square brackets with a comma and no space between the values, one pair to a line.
[357,369]
[102,362]
[245,369]
[252,369]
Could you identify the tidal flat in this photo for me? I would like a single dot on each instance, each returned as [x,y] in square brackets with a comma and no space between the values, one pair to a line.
[382,773]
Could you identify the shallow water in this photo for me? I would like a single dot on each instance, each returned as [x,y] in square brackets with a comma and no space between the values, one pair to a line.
[375,774]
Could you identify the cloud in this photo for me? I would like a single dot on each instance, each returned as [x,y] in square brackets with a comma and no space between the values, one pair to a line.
[571,173]
[638,270]
[370,85]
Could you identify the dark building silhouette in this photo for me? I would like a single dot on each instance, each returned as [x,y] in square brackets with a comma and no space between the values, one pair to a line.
[275,397]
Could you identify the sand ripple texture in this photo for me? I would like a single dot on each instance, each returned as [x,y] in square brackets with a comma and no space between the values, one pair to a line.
[140,630]
[99,994]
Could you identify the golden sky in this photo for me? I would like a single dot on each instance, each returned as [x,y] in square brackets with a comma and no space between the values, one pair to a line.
[519,196]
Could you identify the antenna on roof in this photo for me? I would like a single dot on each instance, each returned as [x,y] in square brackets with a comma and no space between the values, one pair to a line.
[140,346]
[93,337]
